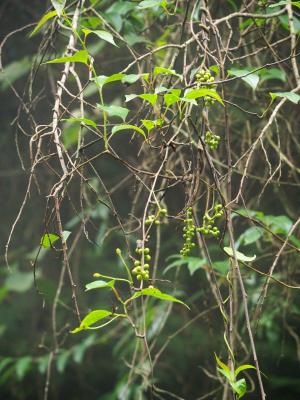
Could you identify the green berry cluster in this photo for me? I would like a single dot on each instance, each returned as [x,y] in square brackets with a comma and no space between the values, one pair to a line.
[205,76]
[212,140]
[208,227]
[189,233]
[156,218]
[142,272]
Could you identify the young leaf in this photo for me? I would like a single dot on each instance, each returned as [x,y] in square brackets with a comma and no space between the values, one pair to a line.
[59,6]
[225,373]
[170,99]
[165,71]
[251,79]
[151,98]
[99,285]
[81,56]
[48,239]
[226,370]
[240,387]
[242,368]
[103,79]
[92,318]
[149,124]
[293,97]
[85,121]
[240,256]
[123,127]
[42,21]
[107,36]
[153,292]
[196,93]
[115,111]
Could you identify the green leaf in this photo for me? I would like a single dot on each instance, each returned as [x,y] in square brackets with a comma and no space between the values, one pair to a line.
[115,111]
[61,360]
[48,239]
[19,281]
[222,267]
[215,68]
[107,36]
[239,256]
[170,99]
[165,71]
[272,73]
[240,387]
[225,373]
[196,93]
[103,79]
[85,121]
[252,79]
[226,370]
[92,318]
[129,97]
[284,19]
[151,98]
[42,21]
[149,4]
[81,56]
[131,78]
[293,97]
[193,263]
[284,2]
[242,368]
[153,292]
[14,71]
[99,285]
[59,6]
[123,127]
[22,366]
[149,124]
[251,235]
[66,234]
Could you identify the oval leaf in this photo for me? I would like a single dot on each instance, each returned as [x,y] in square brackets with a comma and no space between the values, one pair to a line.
[92,318]
[48,239]
[196,93]
[123,127]
[81,56]
[85,121]
[99,285]
[108,37]
[153,292]
[42,21]
[242,368]
[239,256]
[115,111]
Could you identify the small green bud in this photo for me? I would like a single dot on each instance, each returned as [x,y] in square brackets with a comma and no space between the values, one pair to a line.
[139,277]
[118,252]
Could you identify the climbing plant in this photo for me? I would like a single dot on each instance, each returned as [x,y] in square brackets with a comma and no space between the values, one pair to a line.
[168,132]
